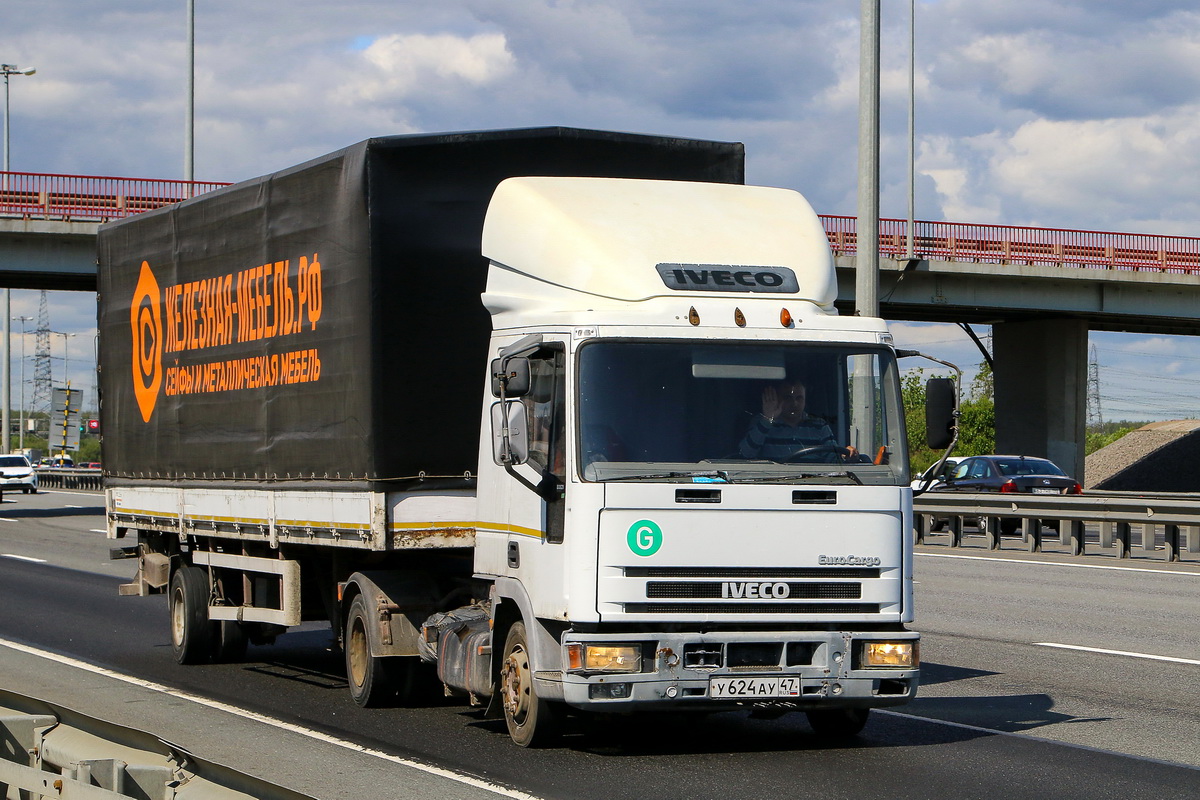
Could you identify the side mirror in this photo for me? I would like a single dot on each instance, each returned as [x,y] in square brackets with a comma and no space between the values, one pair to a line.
[510,438]
[513,373]
[941,402]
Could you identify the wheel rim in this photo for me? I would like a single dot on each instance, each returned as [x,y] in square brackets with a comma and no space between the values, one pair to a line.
[356,648]
[516,685]
[178,621]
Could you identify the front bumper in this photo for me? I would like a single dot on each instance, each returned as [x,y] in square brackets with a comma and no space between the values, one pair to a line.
[678,669]
[18,482]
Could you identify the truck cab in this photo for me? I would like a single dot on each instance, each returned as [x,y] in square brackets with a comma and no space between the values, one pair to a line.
[666,521]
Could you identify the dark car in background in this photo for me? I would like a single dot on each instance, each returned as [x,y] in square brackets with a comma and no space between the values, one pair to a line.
[1008,475]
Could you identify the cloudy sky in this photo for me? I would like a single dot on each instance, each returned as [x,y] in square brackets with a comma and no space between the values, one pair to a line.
[1057,113]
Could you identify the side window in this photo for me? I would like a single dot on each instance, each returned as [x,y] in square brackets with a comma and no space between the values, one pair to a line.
[544,411]
[961,472]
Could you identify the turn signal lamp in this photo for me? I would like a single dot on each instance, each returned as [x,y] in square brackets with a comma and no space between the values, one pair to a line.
[739,318]
[604,658]
[896,655]
[785,318]
[693,316]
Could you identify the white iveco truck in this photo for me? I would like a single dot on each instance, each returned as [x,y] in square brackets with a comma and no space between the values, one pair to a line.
[595,488]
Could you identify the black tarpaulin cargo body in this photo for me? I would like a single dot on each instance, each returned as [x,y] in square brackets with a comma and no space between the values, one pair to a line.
[323,324]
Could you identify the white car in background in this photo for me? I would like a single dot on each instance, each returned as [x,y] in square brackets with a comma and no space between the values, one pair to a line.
[17,473]
[940,477]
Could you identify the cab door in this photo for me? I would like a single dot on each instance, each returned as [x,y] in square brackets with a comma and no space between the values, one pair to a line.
[536,488]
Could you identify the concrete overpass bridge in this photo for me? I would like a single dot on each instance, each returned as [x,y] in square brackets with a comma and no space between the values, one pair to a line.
[1040,289]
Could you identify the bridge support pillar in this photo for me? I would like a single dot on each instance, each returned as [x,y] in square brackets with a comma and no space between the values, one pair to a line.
[1041,390]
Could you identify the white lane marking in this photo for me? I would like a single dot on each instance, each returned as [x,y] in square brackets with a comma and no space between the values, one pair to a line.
[266,720]
[97,530]
[6,519]
[1119,653]
[1060,564]
[23,558]
[68,505]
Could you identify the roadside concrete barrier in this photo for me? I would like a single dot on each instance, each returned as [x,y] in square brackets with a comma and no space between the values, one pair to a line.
[47,750]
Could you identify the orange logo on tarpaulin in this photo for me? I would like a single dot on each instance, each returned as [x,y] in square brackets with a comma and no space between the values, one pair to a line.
[145,320]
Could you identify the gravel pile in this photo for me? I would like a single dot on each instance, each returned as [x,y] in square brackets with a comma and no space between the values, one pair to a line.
[1159,457]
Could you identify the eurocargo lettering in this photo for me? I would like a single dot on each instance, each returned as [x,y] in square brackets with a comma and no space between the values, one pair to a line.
[552,419]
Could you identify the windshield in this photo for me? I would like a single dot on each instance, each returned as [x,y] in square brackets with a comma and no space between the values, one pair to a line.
[13,461]
[699,411]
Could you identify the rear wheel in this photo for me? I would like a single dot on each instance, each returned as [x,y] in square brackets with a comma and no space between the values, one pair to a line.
[838,723]
[192,633]
[532,721]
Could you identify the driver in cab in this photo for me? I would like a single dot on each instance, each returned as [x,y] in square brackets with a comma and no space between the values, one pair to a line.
[785,432]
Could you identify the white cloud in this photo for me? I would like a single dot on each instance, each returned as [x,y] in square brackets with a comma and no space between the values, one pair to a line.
[407,63]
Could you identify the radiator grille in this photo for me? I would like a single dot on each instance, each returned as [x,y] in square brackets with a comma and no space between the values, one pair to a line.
[754,608]
[712,590]
[765,573]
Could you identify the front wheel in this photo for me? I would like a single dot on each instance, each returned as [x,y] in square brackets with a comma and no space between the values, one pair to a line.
[838,723]
[532,721]
[192,632]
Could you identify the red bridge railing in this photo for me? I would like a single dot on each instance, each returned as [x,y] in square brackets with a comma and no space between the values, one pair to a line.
[80,197]
[1007,244]
[83,197]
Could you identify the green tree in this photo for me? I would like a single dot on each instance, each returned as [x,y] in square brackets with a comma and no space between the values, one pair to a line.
[976,421]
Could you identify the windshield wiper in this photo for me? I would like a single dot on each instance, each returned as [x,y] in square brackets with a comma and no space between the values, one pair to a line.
[799,476]
[707,476]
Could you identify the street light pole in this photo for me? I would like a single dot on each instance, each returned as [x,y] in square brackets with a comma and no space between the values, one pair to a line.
[66,357]
[21,434]
[866,278]
[6,367]
[189,143]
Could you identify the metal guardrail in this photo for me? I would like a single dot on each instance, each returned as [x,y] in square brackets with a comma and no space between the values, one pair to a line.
[47,750]
[58,478]
[1116,515]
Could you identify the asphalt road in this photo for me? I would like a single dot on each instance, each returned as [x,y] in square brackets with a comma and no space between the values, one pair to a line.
[1008,706]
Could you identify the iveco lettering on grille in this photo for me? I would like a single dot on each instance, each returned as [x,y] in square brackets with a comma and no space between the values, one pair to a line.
[722,278]
[755,590]
[849,561]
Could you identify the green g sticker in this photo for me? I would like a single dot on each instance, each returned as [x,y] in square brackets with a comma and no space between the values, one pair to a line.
[644,537]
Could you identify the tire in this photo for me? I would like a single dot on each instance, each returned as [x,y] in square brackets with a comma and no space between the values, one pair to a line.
[838,723]
[371,680]
[192,633]
[937,525]
[1009,526]
[532,721]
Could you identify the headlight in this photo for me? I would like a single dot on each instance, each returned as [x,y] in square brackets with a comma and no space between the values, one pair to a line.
[605,657]
[897,655]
